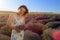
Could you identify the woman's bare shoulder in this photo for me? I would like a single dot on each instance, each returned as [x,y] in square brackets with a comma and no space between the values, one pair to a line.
[11,15]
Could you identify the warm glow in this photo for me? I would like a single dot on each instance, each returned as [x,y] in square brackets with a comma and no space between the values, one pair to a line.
[1,4]
[4,6]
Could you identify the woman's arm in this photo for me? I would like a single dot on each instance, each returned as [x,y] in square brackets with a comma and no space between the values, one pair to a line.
[9,22]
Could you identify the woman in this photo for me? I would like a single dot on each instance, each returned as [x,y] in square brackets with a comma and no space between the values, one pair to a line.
[15,22]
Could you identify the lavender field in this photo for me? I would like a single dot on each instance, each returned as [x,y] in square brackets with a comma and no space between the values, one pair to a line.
[39,23]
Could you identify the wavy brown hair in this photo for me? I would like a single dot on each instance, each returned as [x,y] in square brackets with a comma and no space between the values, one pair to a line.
[24,8]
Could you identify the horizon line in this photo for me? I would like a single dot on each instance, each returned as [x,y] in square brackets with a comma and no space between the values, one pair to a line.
[29,11]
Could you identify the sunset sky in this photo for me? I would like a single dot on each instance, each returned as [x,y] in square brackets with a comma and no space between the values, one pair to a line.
[33,5]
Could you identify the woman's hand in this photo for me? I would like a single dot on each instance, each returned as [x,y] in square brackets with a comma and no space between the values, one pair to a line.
[19,28]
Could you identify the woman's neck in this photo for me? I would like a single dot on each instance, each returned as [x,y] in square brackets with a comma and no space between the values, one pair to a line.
[19,15]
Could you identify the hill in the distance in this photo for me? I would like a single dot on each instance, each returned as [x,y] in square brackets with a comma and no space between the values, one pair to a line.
[9,12]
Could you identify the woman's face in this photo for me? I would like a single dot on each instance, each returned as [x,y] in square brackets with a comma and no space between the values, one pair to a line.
[22,11]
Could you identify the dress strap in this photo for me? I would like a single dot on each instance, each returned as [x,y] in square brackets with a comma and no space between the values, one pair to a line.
[16,18]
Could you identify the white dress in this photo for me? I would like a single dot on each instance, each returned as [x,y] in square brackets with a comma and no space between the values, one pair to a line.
[15,35]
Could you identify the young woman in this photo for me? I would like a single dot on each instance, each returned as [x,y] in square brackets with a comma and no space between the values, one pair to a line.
[15,22]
